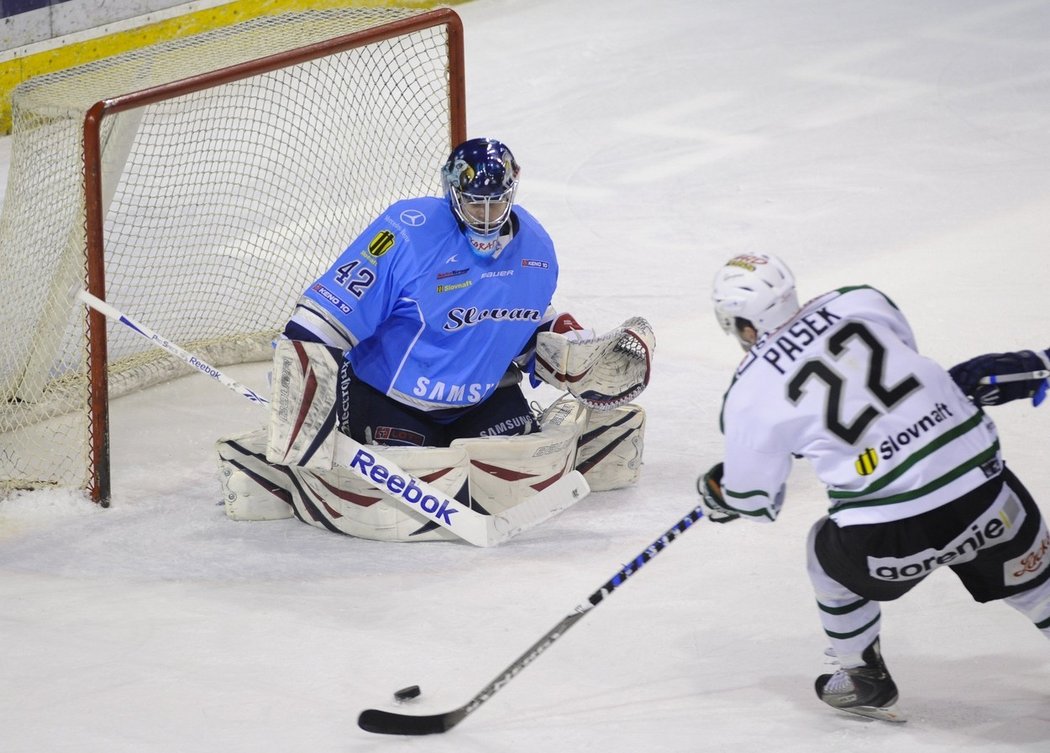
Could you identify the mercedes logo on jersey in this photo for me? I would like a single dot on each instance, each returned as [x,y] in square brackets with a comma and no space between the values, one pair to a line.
[413,217]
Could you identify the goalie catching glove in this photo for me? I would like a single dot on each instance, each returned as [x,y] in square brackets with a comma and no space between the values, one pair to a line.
[602,372]
[710,487]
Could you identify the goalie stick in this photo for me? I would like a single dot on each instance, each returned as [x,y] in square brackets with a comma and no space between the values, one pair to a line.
[391,723]
[366,462]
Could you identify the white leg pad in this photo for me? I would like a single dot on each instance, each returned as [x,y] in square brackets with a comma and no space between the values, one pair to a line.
[611,443]
[504,471]
[251,489]
[303,408]
[338,500]
[246,499]
[352,505]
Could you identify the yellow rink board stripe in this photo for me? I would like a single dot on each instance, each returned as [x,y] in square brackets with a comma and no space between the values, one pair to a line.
[14,72]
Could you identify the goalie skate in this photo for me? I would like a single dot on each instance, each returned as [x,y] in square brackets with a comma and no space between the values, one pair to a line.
[867,690]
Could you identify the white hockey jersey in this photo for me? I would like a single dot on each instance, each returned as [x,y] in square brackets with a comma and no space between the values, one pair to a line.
[842,384]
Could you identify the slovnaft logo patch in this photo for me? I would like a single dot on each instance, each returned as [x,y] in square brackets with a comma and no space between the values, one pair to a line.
[383,242]
[454,286]
[867,462]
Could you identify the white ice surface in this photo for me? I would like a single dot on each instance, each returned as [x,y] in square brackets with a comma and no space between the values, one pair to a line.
[900,143]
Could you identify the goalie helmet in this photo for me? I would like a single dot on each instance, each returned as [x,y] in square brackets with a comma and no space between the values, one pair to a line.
[480,180]
[756,290]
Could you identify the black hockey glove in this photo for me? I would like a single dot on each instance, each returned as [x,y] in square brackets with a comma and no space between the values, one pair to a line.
[710,487]
[1001,366]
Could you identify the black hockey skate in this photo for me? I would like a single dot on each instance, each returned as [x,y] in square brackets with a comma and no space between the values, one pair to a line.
[867,690]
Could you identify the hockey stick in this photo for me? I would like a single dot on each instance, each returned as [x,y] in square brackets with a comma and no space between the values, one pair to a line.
[391,723]
[370,465]
[1022,376]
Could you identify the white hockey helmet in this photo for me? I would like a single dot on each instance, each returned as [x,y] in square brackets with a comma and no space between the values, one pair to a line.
[756,290]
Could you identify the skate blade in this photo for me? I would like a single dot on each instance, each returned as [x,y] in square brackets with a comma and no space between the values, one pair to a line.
[891,713]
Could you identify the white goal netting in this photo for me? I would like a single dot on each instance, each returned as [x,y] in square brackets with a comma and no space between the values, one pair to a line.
[221,200]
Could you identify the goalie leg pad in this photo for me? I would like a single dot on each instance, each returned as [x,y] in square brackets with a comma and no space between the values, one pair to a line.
[354,506]
[304,407]
[506,470]
[336,500]
[603,372]
[252,489]
[611,443]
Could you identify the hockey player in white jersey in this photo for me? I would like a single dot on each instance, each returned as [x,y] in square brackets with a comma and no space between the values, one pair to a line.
[418,336]
[913,470]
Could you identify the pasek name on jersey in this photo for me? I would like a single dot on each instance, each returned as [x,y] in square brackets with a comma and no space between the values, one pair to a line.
[789,345]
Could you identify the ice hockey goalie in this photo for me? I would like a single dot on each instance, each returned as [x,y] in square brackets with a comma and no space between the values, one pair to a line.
[286,468]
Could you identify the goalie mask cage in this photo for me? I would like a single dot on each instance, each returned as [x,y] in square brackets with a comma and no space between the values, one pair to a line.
[201,184]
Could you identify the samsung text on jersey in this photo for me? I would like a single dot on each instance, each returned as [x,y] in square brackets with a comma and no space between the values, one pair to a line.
[451,392]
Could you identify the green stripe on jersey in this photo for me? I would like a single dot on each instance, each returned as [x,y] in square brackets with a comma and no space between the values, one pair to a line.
[745,495]
[975,462]
[763,513]
[850,288]
[917,456]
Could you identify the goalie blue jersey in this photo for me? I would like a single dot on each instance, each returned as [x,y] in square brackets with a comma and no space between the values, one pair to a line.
[428,322]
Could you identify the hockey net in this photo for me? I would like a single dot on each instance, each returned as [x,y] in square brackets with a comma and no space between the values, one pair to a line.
[199,185]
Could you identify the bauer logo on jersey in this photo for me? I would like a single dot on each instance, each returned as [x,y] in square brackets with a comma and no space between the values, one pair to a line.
[383,242]
[535,264]
[867,462]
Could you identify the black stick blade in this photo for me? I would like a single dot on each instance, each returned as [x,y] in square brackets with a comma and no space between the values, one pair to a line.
[390,723]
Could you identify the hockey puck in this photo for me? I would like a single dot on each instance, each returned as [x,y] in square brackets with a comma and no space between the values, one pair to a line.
[405,694]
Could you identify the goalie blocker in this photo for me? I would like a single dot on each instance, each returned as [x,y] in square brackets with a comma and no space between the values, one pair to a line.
[286,469]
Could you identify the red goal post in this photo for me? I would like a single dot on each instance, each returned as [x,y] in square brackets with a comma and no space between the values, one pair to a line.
[210,197]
